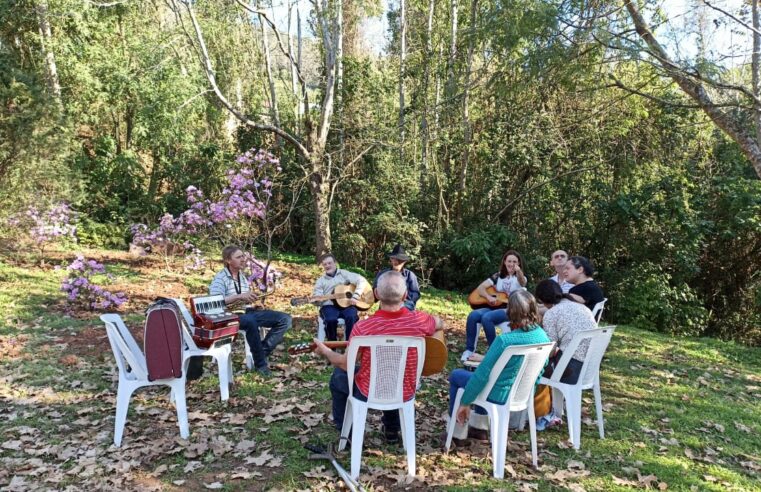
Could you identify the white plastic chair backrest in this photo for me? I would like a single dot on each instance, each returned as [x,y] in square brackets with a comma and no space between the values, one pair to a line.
[126,351]
[187,334]
[533,358]
[597,310]
[599,338]
[388,359]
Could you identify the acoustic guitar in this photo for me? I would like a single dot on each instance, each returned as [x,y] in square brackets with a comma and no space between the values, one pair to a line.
[341,296]
[435,352]
[477,301]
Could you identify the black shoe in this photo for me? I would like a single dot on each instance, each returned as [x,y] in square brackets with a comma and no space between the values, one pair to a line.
[478,434]
[264,371]
[391,436]
[457,443]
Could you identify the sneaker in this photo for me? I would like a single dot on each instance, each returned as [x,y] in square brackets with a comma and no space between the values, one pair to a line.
[466,355]
[264,371]
[391,436]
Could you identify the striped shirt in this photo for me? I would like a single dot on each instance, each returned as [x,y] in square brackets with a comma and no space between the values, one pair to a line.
[403,323]
[223,284]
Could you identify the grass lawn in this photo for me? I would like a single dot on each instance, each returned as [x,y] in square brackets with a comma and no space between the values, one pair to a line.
[680,413]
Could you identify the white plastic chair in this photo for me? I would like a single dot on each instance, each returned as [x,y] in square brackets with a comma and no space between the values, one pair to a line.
[597,310]
[501,328]
[133,374]
[321,328]
[589,378]
[221,354]
[388,362]
[520,399]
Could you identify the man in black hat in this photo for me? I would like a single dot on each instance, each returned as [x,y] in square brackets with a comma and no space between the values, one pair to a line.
[398,258]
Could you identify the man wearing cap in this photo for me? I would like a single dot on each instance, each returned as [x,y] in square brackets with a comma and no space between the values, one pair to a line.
[398,258]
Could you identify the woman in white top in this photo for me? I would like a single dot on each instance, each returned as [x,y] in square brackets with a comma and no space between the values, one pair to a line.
[563,319]
[509,279]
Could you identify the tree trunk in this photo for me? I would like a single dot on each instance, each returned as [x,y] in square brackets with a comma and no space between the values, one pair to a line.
[270,79]
[402,56]
[755,62]
[451,84]
[46,36]
[321,208]
[466,127]
[424,130]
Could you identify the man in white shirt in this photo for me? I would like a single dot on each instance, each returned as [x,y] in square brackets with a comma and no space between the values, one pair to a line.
[325,285]
[557,262]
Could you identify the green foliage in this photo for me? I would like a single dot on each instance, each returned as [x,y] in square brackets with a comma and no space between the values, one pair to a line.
[101,234]
[649,299]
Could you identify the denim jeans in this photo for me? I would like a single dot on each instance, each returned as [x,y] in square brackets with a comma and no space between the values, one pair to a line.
[489,319]
[277,322]
[330,315]
[339,388]
[459,379]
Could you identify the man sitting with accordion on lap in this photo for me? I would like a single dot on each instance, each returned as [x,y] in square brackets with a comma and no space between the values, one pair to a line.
[233,285]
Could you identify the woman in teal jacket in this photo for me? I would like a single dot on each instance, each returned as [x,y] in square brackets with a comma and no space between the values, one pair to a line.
[522,312]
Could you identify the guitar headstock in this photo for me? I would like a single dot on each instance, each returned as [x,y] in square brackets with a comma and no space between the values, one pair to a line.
[301,348]
[299,301]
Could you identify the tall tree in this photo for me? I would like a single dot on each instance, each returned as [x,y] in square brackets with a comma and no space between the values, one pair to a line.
[311,143]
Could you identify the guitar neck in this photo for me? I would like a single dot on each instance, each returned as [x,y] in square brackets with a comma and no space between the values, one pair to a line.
[329,297]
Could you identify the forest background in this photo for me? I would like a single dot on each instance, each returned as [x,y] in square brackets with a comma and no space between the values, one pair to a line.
[481,125]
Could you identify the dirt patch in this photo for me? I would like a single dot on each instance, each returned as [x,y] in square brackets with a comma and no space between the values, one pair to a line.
[13,347]
[92,342]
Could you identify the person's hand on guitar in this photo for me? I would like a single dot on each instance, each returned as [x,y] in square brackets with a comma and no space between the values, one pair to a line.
[492,300]
[463,414]
[320,348]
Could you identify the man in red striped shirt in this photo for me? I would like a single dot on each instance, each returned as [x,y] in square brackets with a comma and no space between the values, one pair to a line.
[391,319]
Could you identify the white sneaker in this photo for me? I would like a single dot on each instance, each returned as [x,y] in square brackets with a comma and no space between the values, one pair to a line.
[466,355]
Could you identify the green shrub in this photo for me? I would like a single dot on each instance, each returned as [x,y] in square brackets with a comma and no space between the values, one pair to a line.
[647,299]
[101,235]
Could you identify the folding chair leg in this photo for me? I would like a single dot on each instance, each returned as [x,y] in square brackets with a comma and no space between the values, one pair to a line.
[404,431]
[598,407]
[532,430]
[123,394]
[359,418]
[500,424]
[408,429]
[178,387]
[573,410]
[224,383]
[346,428]
[452,419]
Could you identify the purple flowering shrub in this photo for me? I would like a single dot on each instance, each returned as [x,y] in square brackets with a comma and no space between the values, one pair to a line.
[81,289]
[46,225]
[239,213]
[256,275]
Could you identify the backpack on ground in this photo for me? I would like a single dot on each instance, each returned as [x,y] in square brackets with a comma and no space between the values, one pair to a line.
[162,341]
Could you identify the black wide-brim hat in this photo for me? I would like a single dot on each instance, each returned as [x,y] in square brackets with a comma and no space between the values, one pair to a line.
[398,253]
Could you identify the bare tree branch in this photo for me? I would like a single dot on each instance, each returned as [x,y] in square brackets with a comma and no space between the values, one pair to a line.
[263,15]
[748,144]
[736,19]
[209,70]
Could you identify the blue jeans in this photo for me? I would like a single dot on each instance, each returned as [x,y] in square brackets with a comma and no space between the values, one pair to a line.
[459,379]
[489,319]
[330,315]
[339,388]
[277,322]
[409,305]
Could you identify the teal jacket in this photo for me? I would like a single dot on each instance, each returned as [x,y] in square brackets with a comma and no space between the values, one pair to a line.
[501,388]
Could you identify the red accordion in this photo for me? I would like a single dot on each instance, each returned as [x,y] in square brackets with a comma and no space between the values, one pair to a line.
[214,326]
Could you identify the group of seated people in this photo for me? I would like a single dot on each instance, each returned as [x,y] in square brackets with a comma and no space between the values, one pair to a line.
[560,307]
